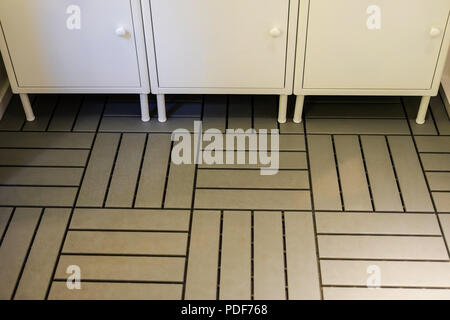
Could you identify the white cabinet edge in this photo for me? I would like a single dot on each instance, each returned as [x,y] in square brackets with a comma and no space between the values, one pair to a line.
[289,67]
[301,52]
[141,55]
[446,85]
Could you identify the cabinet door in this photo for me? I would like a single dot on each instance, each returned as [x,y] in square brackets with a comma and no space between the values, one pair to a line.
[220,43]
[53,44]
[342,52]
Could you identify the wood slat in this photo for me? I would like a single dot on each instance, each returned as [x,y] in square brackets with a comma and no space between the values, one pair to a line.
[14,248]
[38,270]
[96,179]
[385,193]
[235,268]
[301,257]
[152,181]
[201,279]
[324,178]
[355,190]
[126,171]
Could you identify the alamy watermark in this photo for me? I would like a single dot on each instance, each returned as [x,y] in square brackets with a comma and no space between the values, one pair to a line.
[259,148]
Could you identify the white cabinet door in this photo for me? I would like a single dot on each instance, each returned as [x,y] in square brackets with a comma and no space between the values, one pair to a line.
[45,52]
[220,43]
[342,52]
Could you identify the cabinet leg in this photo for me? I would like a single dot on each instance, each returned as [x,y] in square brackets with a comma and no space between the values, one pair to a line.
[300,101]
[282,108]
[26,104]
[421,115]
[161,108]
[145,114]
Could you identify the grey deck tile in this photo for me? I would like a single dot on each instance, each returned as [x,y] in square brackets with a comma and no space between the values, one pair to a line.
[442,201]
[382,180]
[117,291]
[126,171]
[180,185]
[411,108]
[100,242]
[440,115]
[235,269]
[65,113]
[40,176]
[250,142]
[357,126]
[301,257]
[240,112]
[445,223]
[14,117]
[109,268]
[95,182]
[43,157]
[215,112]
[38,196]
[152,181]
[14,248]
[45,140]
[324,178]
[44,252]
[439,181]
[269,278]
[90,113]
[135,124]
[438,162]
[354,99]
[252,179]
[201,279]
[385,294]
[182,109]
[43,109]
[393,273]
[123,108]
[386,247]
[265,112]
[292,142]
[287,160]
[5,214]
[129,219]
[433,144]
[354,110]
[252,199]
[355,190]
[377,223]
[410,176]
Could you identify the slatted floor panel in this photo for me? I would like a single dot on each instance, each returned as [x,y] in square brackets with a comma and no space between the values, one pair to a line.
[361,189]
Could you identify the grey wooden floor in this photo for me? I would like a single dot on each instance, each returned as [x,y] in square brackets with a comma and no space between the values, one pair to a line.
[89,184]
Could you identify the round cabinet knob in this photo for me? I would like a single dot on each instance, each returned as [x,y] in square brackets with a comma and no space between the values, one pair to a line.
[435,32]
[275,32]
[121,32]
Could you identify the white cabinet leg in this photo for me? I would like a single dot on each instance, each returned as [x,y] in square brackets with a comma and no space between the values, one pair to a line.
[422,114]
[282,108]
[26,104]
[145,113]
[299,102]
[160,100]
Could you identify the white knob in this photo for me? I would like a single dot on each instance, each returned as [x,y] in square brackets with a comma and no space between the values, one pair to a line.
[434,32]
[121,31]
[275,32]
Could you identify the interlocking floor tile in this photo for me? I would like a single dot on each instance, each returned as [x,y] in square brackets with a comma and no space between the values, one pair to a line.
[141,227]
[44,252]
[116,291]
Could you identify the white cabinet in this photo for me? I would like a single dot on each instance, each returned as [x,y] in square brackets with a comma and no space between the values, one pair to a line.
[74,46]
[371,47]
[221,46]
